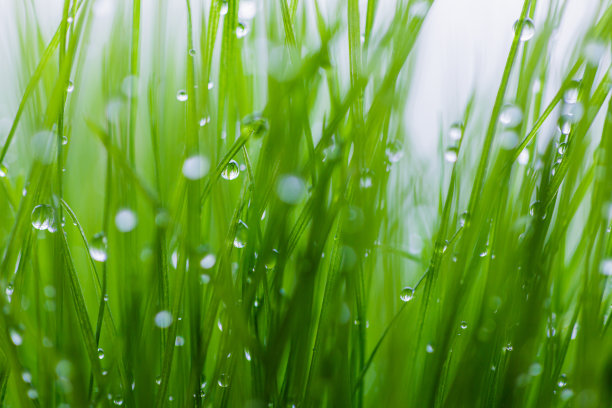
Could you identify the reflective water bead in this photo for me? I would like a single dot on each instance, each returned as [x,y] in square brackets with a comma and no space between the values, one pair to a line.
[231,171]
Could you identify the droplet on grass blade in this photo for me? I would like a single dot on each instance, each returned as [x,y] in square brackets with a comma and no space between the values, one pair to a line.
[456,131]
[70,87]
[450,155]
[208,261]
[247,9]
[406,294]
[181,95]
[523,157]
[3,170]
[526,27]
[291,189]
[43,217]
[366,179]
[242,234]
[196,167]
[163,319]
[100,353]
[254,125]
[98,247]
[231,171]
[511,115]
[223,380]
[429,348]
[606,267]
[15,337]
[125,220]
[242,30]
[394,151]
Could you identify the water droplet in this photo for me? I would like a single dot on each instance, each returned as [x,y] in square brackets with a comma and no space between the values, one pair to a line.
[158,380]
[43,217]
[254,125]
[181,95]
[571,93]
[192,52]
[456,131]
[429,348]
[526,27]
[508,139]
[464,325]
[394,151]
[118,400]
[535,369]
[562,381]
[523,157]
[242,234]
[231,171]
[223,380]
[242,30]
[32,393]
[247,354]
[270,259]
[508,347]
[204,121]
[562,148]
[291,189]
[195,167]
[15,337]
[179,341]
[406,294]
[208,261]
[100,353]
[594,51]
[98,247]
[247,9]
[163,319]
[450,155]
[3,170]
[70,87]
[26,377]
[129,86]
[366,179]
[224,8]
[566,394]
[511,115]
[204,278]
[606,267]
[125,220]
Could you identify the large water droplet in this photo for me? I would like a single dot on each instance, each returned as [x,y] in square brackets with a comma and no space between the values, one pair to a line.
[181,95]
[163,319]
[508,140]
[231,171]
[195,167]
[247,9]
[208,261]
[511,115]
[526,27]
[242,30]
[242,233]
[291,189]
[98,247]
[43,217]
[406,294]
[125,220]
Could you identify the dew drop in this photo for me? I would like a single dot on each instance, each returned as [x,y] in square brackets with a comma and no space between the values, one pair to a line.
[523,157]
[100,354]
[43,217]
[231,171]
[291,189]
[125,220]
[242,30]
[224,8]
[32,394]
[526,27]
[70,87]
[192,52]
[163,319]
[464,325]
[15,337]
[208,261]
[195,167]
[406,294]
[3,170]
[366,179]
[98,247]
[247,9]
[181,95]
[242,233]
[450,155]
[511,115]
[179,341]
[223,380]
[429,348]
[606,267]
[394,151]
[247,354]
[456,131]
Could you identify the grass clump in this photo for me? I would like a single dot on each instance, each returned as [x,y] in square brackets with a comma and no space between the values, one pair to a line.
[215,203]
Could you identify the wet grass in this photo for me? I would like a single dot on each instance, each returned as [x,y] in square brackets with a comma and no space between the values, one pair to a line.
[204,204]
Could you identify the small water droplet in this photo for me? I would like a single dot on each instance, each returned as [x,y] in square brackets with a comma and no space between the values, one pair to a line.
[464,325]
[125,220]
[394,151]
[406,294]
[192,52]
[26,377]
[32,394]
[450,155]
[43,217]
[224,8]
[429,348]
[3,170]
[15,337]
[208,261]
[508,139]
[523,157]
[242,30]
[242,233]
[526,27]
[291,189]
[366,179]
[270,259]
[195,167]
[181,95]
[118,400]
[606,267]
[158,380]
[508,347]
[179,341]
[562,381]
[163,319]
[223,380]
[70,87]
[98,247]
[100,353]
[456,131]
[247,354]
[231,171]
